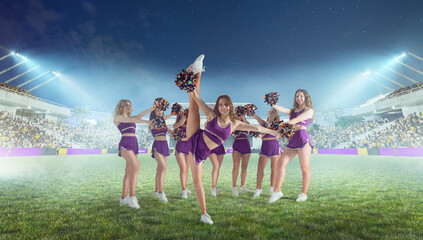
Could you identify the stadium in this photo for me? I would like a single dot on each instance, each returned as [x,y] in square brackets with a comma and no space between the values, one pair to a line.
[62,177]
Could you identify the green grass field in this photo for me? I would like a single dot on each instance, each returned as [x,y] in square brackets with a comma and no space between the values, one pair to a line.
[76,197]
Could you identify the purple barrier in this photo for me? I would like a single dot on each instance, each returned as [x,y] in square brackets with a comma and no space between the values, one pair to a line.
[386,152]
[410,152]
[142,150]
[229,150]
[14,152]
[3,152]
[76,151]
[347,151]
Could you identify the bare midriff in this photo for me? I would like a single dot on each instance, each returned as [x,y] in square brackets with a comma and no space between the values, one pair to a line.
[210,144]
[128,135]
[160,138]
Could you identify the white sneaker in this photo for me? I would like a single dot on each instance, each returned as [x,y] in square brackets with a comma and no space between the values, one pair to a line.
[235,191]
[243,188]
[271,189]
[124,200]
[218,190]
[213,192]
[162,197]
[197,66]
[133,202]
[302,197]
[274,196]
[257,192]
[184,194]
[205,218]
[188,191]
[156,193]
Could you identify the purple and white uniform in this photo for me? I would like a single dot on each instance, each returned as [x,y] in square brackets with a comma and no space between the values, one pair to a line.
[128,142]
[215,132]
[183,146]
[160,145]
[218,151]
[241,143]
[301,137]
[270,147]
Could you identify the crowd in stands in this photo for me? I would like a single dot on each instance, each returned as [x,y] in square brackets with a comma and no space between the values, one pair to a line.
[17,90]
[405,90]
[17,132]
[403,132]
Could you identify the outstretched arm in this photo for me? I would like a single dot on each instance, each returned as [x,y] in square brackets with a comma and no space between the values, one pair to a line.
[247,127]
[145,112]
[303,116]
[203,106]
[282,109]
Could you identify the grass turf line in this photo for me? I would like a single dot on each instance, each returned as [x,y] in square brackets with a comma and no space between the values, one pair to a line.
[77,197]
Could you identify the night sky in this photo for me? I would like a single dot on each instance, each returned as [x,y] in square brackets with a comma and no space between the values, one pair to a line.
[109,50]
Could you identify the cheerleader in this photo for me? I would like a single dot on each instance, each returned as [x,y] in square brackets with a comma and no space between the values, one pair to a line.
[270,149]
[160,152]
[300,115]
[220,123]
[128,148]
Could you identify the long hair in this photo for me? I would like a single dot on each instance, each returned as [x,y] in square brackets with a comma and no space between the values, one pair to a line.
[231,110]
[308,102]
[277,118]
[119,107]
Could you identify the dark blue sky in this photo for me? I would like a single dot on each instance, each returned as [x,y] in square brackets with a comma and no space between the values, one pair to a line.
[109,50]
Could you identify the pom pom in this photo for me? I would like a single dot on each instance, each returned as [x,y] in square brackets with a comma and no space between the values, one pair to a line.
[186,80]
[250,109]
[159,123]
[240,110]
[176,109]
[271,98]
[275,125]
[237,133]
[287,130]
[178,134]
[161,104]
[254,134]
[186,111]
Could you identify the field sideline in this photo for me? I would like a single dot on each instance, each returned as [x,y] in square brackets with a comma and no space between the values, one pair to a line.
[76,197]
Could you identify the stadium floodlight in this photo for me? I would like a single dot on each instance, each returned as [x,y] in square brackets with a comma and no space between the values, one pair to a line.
[12,53]
[366,73]
[400,56]
[29,107]
[55,73]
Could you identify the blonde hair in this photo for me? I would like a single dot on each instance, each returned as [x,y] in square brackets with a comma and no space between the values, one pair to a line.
[119,107]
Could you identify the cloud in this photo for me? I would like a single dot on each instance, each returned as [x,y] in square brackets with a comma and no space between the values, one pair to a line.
[89,8]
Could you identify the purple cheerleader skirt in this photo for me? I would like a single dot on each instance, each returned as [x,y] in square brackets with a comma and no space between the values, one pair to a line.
[299,140]
[242,146]
[200,150]
[183,147]
[161,147]
[218,151]
[128,143]
[270,148]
